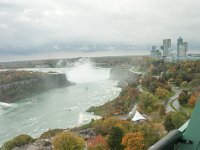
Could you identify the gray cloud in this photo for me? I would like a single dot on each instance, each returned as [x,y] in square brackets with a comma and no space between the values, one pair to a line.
[28,26]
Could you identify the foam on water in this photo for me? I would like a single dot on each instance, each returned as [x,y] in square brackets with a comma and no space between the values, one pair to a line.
[86,117]
[5,105]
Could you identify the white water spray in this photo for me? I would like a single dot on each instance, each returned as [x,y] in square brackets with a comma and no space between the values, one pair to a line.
[5,105]
[84,72]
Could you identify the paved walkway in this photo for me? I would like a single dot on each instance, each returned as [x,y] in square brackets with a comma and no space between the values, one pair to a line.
[173,100]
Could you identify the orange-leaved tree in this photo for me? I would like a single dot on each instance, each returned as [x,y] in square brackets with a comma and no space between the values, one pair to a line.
[193,98]
[133,141]
[97,143]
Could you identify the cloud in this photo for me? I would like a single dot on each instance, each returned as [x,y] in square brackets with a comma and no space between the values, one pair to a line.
[28,26]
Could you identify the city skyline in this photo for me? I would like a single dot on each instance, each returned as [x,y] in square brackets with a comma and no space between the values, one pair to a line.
[43,29]
[166,50]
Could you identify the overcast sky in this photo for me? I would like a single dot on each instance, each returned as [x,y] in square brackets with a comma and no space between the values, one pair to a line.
[46,27]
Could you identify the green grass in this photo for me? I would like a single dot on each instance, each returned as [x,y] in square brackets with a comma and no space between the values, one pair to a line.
[187,108]
[171,104]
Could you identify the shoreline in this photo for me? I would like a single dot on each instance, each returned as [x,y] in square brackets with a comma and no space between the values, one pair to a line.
[38,137]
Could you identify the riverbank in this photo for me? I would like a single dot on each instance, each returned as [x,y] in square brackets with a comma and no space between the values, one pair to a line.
[128,81]
[17,85]
[39,141]
[151,93]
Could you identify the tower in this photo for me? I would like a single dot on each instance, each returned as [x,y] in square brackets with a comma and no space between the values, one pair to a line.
[182,48]
[166,47]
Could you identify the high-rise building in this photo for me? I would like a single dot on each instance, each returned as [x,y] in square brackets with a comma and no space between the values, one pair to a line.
[166,47]
[155,53]
[182,48]
[153,48]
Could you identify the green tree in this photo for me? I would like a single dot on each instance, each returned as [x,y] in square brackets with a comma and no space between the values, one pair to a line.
[115,138]
[174,120]
[162,93]
[68,141]
[168,122]
[147,101]
[184,84]
[183,97]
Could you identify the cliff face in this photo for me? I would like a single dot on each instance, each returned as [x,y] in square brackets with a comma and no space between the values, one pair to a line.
[15,91]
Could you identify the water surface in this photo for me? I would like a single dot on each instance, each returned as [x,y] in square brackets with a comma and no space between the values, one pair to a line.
[59,108]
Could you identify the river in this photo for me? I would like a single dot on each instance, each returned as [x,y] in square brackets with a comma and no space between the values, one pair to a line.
[62,107]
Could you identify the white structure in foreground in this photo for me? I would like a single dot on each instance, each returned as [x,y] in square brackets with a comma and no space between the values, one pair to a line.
[138,117]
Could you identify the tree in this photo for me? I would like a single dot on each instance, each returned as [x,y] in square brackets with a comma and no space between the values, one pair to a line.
[68,141]
[162,110]
[149,132]
[178,80]
[174,120]
[184,84]
[115,138]
[147,101]
[193,98]
[168,122]
[162,93]
[97,143]
[133,141]
[183,97]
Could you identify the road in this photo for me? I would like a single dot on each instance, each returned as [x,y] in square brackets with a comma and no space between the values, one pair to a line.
[173,100]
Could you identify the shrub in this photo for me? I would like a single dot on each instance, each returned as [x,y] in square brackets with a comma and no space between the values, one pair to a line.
[68,141]
[18,142]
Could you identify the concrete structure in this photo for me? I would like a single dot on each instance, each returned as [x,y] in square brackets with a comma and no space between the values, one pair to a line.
[182,48]
[166,47]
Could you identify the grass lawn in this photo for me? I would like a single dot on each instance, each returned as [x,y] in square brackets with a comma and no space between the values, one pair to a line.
[187,108]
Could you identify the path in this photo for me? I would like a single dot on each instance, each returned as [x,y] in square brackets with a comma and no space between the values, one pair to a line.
[173,101]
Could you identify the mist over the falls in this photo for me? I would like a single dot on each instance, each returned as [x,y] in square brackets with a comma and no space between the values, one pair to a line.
[85,72]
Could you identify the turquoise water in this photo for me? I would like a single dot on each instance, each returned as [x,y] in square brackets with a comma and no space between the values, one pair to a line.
[59,108]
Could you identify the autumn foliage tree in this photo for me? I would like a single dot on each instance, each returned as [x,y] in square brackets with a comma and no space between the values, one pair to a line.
[193,98]
[97,143]
[133,141]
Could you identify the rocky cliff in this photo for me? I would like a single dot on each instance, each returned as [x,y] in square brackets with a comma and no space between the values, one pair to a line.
[15,91]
